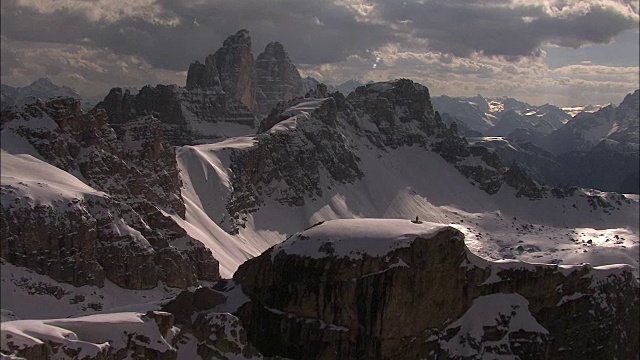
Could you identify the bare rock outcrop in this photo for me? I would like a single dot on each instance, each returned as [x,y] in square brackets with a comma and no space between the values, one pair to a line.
[389,289]
[111,216]
[231,68]
[277,78]
[257,84]
[187,116]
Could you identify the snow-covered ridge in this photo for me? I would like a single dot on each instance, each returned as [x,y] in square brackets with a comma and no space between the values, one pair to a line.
[355,237]
[575,110]
[25,177]
[43,89]
[507,312]
[303,106]
[87,336]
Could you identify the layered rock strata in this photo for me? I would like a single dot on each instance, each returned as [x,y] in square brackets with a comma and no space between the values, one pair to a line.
[116,221]
[390,289]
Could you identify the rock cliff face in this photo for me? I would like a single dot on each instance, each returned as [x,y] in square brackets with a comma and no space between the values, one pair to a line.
[236,68]
[258,84]
[390,289]
[186,116]
[231,68]
[101,208]
[307,144]
[290,160]
[278,78]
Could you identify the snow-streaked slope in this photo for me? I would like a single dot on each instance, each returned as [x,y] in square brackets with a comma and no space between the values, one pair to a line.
[33,296]
[206,188]
[405,183]
[86,336]
[508,312]
[28,177]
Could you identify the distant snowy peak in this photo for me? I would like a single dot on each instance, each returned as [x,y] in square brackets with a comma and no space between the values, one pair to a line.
[575,110]
[348,86]
[310,83]
[43,89]
[502,115]
[586,129]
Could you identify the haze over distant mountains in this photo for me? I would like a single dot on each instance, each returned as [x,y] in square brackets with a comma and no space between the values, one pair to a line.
[597,148]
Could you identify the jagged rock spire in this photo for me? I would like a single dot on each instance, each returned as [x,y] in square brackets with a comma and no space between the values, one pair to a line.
[231,68]
[258,84]
[278,79]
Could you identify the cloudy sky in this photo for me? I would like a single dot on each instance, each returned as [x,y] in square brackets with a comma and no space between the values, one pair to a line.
[558,51]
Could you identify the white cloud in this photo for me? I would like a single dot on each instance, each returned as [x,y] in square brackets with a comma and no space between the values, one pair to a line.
[90,71]
[527,79]
[108,11]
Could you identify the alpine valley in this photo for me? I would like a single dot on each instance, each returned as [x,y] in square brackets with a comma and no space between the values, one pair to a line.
[255,214]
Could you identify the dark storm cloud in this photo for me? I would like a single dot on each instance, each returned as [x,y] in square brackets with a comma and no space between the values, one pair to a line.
[101,43]
[312,32]
[509,29]
[316,32]
[9,58]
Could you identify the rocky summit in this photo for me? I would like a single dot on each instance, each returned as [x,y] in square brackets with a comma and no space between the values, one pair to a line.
[117,224]
[392,289]
[277,78]
[259,83]
[186,116]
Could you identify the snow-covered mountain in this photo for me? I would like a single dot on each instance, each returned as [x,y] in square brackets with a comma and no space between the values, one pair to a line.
[597,150]
[585,130]
[345,88]
[594,150]
[575,110]
[43,89]
[340,157]
[501,116]
[135,209]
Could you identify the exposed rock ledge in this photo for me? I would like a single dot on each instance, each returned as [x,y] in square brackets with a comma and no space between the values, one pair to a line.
[366,289]
[390,289]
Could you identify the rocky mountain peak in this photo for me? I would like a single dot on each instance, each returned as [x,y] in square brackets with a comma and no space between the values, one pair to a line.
[400,109]
[42,88]
[481,102]
[42,82]
[235,64]
[631,100]
[108,206]
[258,84]
[360,288]
[278,78]
[187,115]
[230,69]
[241,38]
[274,49]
